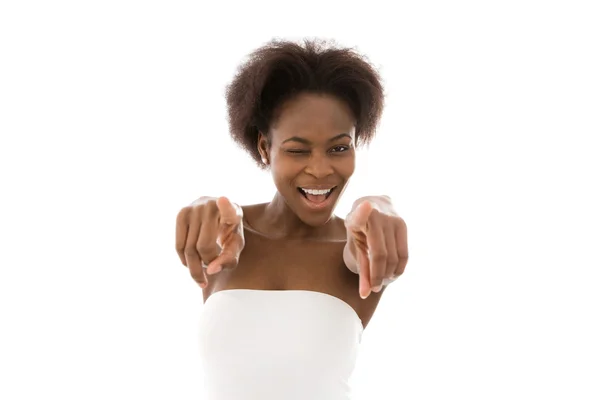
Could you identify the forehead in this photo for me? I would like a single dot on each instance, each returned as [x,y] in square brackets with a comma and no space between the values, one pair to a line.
[314,115]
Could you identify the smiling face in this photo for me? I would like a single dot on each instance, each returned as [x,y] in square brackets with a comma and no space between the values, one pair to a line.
[310,150]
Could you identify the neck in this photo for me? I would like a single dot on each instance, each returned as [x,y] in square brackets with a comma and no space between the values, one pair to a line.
[279,221]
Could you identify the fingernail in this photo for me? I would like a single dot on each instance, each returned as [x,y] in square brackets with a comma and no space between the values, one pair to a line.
[377,289]
[217,269]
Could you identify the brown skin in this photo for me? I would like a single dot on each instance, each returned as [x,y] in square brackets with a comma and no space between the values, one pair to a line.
[272,263]
[377,246]
[311,143]
[283,245]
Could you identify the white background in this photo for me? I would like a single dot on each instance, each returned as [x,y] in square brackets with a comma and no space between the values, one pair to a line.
[112,118]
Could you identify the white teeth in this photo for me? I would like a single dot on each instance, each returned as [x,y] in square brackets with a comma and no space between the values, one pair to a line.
[316,192]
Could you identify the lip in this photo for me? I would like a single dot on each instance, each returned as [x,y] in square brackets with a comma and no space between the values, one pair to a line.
[319,206]
[317,187]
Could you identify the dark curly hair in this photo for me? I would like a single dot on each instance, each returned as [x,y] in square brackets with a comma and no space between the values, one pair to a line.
[282,69]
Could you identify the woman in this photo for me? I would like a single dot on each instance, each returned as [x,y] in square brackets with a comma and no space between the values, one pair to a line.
[284,308]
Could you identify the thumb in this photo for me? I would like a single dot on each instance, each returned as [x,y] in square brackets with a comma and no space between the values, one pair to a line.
[228,259]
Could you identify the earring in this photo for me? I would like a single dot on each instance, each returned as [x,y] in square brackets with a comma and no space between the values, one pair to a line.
[264,160]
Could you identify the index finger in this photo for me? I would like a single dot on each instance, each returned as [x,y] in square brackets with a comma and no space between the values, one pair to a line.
[229,212]
[364,274]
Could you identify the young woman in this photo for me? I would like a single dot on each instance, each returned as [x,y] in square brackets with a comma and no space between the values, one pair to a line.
[288,286]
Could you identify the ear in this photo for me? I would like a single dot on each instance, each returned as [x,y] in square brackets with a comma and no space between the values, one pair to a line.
[264,147]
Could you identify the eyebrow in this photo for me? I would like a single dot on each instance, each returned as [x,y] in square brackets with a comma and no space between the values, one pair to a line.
[306,141]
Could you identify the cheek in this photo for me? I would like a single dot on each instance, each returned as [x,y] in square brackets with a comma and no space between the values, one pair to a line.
[284,173]
[346,167]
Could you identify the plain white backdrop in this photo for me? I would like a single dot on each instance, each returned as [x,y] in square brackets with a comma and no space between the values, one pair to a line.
[112,118]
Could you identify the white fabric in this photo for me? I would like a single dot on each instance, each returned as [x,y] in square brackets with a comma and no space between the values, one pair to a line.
[278,344]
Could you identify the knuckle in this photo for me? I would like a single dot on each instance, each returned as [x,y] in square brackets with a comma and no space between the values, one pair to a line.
[190,251]
[379,257]
[198,210]
[194,216]
[376,281]
[210,208]
[377,276]
[392,261]
[184,214]
[198,277]
[204,247]
[387,281]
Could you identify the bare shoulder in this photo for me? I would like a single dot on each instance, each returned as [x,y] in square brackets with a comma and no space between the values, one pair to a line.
[252,209]
[339,225]
[252,212]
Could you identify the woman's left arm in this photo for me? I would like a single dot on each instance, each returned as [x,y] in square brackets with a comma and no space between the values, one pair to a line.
[377,246]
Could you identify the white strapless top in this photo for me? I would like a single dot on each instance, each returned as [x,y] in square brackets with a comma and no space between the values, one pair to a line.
[278,345]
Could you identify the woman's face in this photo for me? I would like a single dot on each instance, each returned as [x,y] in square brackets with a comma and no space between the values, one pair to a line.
[311,154]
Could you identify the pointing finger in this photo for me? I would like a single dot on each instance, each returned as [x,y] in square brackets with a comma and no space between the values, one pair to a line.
[229,257]
[364,274]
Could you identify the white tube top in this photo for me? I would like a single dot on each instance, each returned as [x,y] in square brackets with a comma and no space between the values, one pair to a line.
[277,345]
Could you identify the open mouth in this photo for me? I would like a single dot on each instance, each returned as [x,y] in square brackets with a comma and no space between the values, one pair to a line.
[316,197]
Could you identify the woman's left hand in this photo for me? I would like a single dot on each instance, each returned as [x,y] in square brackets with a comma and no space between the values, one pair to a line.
[377,242]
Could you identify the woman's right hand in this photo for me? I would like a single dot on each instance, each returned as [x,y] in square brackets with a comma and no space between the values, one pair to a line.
[209,236]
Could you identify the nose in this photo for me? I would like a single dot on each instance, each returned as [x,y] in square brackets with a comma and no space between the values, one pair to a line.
[319,166]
